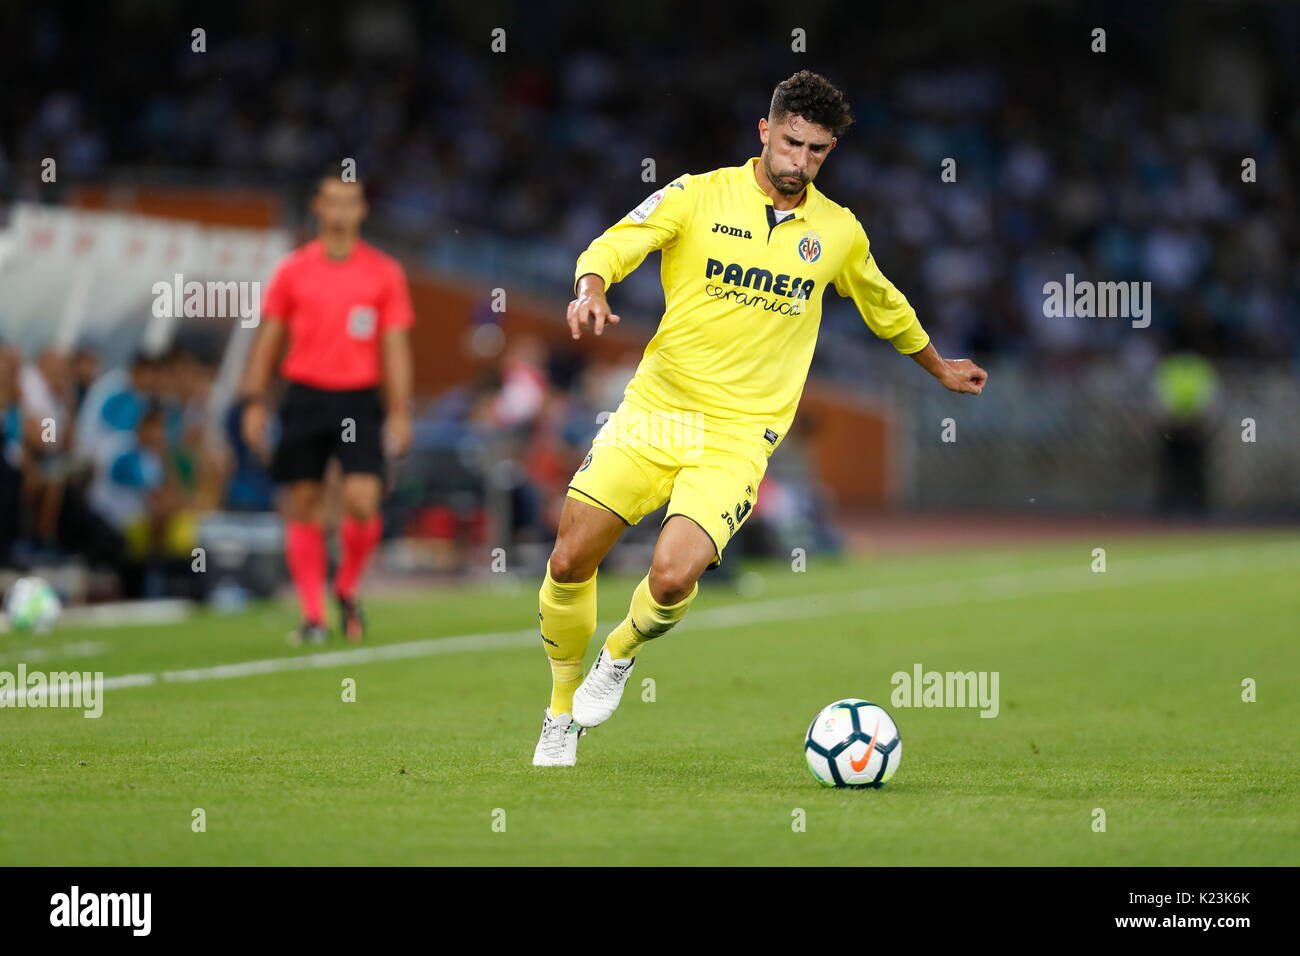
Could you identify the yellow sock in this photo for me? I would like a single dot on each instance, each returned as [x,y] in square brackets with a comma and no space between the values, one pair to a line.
[646,619]
[567,616]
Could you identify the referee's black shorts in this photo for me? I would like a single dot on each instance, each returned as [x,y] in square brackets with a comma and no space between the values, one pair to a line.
[317,424]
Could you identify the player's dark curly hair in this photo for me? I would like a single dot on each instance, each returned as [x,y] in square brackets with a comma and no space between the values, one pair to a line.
[813,97]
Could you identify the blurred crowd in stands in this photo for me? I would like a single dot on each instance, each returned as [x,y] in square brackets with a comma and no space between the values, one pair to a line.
[1172,157]
[120,466]
[1118,165]
[107,464]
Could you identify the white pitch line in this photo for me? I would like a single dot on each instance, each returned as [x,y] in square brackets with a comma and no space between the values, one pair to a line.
[32,654]
[357,655]
[997,587]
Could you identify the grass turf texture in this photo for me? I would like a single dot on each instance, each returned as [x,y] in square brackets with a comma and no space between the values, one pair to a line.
[1119,690]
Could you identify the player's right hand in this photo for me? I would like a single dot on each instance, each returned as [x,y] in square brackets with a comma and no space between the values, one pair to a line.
[253,427]
[963,375]
[590,307]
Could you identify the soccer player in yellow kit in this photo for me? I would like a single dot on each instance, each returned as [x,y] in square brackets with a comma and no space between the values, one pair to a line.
[747,253]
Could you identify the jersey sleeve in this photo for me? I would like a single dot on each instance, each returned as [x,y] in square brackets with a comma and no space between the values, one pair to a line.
[277,304]
[396,311]
[885,310]
[655,224]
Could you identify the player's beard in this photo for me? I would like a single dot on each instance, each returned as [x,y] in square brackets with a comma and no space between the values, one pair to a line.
[778,180]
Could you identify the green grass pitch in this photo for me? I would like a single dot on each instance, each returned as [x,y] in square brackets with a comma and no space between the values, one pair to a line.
[1119,690]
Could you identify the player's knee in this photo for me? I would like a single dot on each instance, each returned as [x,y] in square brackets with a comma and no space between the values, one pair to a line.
[360,507]
[361,497]
[301,503]
[568,566]
[670,583]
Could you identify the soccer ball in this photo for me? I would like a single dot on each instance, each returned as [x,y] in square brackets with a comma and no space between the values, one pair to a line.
[32,605]
[853,743]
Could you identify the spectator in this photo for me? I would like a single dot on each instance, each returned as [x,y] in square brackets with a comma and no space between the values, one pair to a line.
[140,494]
[47,397]
[11,454]
[112,406]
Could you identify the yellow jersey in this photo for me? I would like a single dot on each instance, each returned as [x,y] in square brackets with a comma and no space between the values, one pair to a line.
[743,296]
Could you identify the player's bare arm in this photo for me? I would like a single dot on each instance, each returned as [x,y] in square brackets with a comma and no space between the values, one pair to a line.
[590,307]
[397,391]
[257,379]
[956,375]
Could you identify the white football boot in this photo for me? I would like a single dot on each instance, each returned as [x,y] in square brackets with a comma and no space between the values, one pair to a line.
[597,697]
[558,745]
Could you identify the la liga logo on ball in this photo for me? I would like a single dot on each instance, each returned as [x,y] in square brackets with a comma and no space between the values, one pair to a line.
[810,247]
[853,743]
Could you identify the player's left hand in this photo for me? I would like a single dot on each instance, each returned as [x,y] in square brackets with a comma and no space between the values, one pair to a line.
[963,375]
[397,434]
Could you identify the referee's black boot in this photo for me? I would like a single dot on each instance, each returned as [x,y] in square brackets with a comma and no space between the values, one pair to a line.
[309,632]
[352,620]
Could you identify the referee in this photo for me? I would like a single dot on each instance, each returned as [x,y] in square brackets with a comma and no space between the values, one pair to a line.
[344,310]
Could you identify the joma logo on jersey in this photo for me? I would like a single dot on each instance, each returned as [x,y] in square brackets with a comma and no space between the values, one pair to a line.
[760,279]
[732,231]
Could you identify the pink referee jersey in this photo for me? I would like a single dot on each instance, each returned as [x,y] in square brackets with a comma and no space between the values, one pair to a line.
[336,311]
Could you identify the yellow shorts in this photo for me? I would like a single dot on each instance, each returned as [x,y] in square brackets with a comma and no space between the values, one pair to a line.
[640,460]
